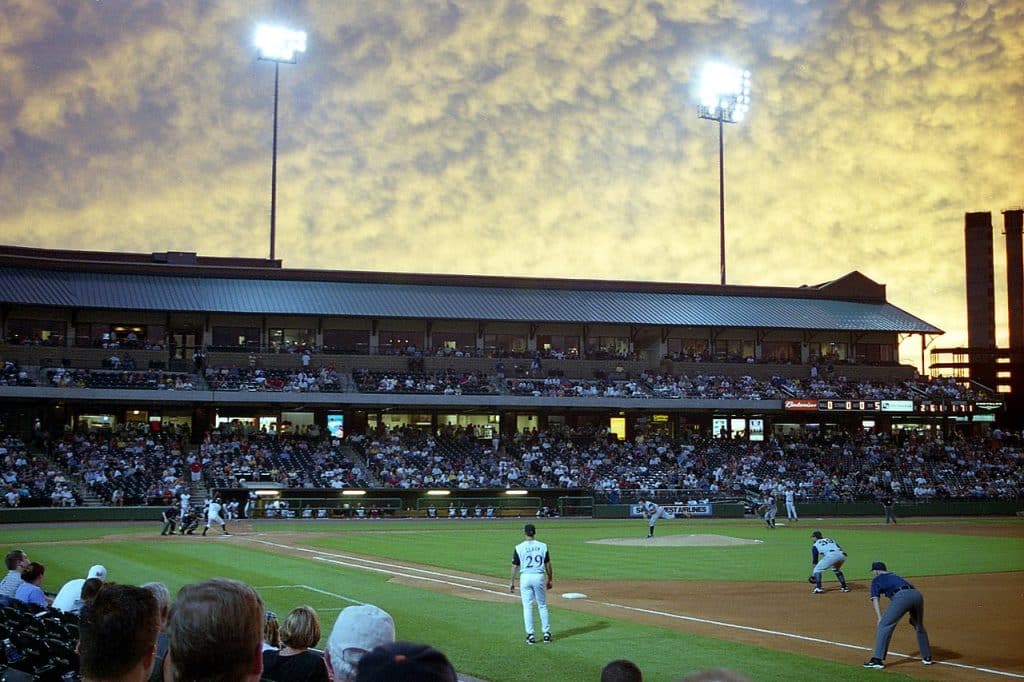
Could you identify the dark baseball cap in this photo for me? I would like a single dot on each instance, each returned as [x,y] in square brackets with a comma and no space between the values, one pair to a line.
[878,566]
[405,662]
[816,534]
[530,529]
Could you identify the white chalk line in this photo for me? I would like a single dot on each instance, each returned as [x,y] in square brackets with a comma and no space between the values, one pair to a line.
[375,566]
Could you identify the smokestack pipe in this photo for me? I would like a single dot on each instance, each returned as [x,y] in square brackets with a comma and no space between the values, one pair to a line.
[1012,221]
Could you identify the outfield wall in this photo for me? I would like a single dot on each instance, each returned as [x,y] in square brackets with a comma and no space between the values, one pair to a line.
[414,504]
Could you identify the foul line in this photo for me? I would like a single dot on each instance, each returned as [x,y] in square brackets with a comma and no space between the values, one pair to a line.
[376,567]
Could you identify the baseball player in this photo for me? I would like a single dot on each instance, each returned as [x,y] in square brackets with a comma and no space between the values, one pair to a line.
[791,504]
[185,499]
[213,516]
[826,553]
[771,510]
[532,560]
[652,512]
[903,598]
[889,507]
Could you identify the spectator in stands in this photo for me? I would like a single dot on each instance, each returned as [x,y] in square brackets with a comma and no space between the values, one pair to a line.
[16,561]
[161,671]
[69,597]
[357,630]
[405,662]
[297,660]
[271,632]
[621,670]
[216,632]
[117,635]
[30,590]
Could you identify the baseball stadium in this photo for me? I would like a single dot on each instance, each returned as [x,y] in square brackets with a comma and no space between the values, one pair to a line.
[335,439]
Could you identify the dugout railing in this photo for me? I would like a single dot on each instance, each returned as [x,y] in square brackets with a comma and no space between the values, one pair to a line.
[478,507]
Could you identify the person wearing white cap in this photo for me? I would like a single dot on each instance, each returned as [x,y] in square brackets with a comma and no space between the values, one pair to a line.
[68,599]
[357,630]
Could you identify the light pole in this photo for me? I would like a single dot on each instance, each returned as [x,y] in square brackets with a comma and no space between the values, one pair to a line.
[724,97]
[278,45]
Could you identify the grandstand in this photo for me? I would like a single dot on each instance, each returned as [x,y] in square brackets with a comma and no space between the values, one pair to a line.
[328,380]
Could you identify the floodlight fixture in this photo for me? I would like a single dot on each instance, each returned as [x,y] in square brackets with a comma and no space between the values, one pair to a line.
[279,45]
[724,95]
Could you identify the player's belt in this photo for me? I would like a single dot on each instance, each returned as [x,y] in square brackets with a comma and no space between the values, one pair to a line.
[905,587]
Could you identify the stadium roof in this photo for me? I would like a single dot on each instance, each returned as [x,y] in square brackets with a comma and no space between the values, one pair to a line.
[187,283]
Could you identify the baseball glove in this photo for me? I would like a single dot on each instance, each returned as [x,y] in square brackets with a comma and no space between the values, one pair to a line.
[811,580]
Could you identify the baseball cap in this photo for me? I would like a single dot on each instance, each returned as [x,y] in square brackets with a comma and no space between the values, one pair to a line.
[878,566]
[816,534]
[359,629]
[405,662]
[530,529]
[97,571]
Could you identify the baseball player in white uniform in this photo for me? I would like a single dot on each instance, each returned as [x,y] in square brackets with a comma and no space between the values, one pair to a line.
[791,505]
[826,553]
[213,516]
[652,512]
[186,497]
[533,562]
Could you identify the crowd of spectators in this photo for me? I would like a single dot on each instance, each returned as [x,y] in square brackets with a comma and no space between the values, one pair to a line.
[141,467]
[448,382]
[150,379]
[821,467]
[826,383]
[307,379]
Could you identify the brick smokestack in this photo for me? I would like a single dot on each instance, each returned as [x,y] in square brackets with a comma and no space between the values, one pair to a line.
[1012,221]
[981,300]
[1015,276]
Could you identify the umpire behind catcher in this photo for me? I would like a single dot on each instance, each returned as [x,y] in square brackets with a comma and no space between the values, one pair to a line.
[904,598]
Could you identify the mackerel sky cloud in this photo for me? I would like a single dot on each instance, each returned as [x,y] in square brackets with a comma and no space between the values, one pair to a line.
[541,138]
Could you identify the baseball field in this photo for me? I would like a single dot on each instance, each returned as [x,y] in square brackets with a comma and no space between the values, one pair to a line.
[702,593]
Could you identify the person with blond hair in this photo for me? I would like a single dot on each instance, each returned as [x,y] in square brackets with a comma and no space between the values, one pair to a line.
[297,660]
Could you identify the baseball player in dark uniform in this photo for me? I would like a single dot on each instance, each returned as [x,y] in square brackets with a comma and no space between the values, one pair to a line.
[903,598]
[889,507]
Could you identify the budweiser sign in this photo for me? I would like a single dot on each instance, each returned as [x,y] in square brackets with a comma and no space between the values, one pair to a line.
[800,404]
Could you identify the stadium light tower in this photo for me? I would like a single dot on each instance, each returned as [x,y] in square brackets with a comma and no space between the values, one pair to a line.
[724,97]
[278,45]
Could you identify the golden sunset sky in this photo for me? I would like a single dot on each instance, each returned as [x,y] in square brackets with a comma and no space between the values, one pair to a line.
[541,138]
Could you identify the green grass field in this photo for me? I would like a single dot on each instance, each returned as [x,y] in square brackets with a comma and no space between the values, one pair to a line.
[484,638]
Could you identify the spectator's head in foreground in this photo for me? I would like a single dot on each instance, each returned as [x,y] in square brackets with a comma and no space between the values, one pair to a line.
[163,599]
[301,628]
[357,630]
[117,634]
[621,670]
[16,560]
[216,632]
[405,662]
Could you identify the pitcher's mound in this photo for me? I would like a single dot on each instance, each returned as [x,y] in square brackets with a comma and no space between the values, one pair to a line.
[679,541]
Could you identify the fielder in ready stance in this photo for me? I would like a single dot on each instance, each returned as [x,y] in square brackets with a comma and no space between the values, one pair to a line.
[771,510]
[903,598]
[826,553]
[652,512]
[533,562]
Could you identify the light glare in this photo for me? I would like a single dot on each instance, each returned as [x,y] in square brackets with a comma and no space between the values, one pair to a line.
[724,92]
[279,44]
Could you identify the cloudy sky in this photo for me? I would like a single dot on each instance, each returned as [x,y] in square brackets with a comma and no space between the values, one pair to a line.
[530,137]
